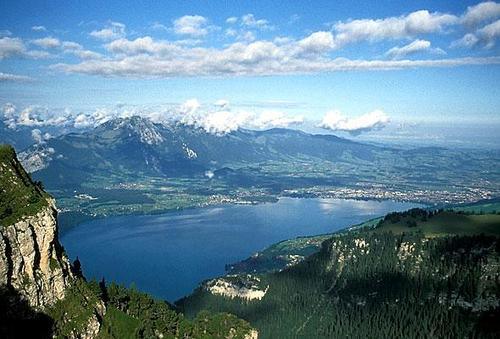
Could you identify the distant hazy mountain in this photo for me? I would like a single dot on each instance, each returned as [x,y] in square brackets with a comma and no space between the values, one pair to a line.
[140,146]
[23,136]
[19,138]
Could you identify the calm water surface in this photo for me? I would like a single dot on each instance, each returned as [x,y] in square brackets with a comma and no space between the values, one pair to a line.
[168,255]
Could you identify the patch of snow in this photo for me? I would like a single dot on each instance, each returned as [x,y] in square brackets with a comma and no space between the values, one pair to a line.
[189,152]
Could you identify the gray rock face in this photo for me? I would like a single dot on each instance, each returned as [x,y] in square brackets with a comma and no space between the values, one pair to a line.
[32,260]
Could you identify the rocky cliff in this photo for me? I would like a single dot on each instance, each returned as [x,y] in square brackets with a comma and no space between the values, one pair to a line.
[32,260]
[36,280]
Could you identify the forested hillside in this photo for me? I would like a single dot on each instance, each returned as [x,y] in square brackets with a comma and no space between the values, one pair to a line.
[374,283]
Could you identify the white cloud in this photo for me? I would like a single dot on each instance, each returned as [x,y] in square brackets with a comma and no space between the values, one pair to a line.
[417,46]
[31,116]
[245,36]
[317,42]
[158,26]
[114,30]
[4,77]
[271,119]
[34,116]
[190,106]
[481,12]
[232,20]
[47,42]
[35,54]
[71,47]
[419,22]
[194,25]
[490,33]
[247,28]
[142,45]
[249,20]
[10,47]
[36,134]
[83,121]
[485,37]
[336,121]
[8,111]
[39,137]
[231,32]
[223,120]
[469,40]
[39,28]
[146,57]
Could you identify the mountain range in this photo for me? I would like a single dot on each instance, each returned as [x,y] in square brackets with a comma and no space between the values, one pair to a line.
[140,145]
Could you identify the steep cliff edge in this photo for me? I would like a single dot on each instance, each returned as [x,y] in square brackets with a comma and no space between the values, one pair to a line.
[31,259]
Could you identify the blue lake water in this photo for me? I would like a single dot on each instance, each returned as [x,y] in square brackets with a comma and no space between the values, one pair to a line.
[168,255]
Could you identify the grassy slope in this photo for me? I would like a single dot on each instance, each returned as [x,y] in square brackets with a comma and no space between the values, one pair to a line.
[19,196]
[482,207]
[448,222]
[118,324]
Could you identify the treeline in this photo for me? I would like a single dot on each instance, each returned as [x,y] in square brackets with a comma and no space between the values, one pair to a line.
[378,285]
[411,216]
[134,314]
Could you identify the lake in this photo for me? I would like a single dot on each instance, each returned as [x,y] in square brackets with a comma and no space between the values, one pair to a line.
[168,255]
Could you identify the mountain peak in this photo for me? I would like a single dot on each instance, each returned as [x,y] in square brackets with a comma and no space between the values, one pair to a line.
[143,128]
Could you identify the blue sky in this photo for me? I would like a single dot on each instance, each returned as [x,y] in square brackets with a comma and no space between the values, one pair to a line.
[349,65]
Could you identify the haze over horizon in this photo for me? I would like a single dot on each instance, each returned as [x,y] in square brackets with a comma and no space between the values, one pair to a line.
[376,72]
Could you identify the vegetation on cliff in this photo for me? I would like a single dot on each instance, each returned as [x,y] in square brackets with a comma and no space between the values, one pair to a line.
[19,195]
[128,313]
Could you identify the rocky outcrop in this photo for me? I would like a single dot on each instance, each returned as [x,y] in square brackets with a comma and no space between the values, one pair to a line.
[244,287]
[253,334]
[32,261]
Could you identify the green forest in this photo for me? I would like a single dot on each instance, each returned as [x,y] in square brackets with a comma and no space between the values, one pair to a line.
[379,283]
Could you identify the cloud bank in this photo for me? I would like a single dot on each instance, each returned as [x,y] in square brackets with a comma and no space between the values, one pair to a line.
[336,121]
[237,51]
[218,118]
[149,57]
